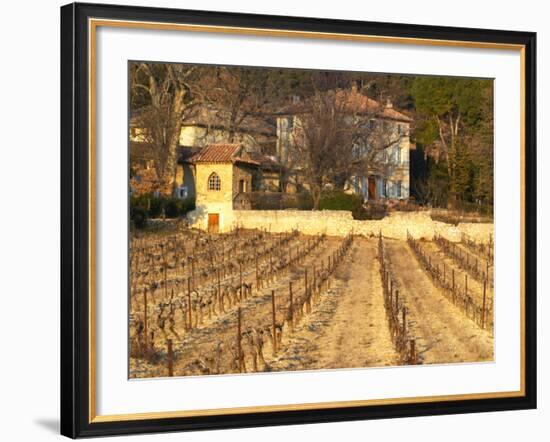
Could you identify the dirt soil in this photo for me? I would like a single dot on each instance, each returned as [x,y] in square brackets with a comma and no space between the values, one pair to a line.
[350,329]
[346,328]
[442,331]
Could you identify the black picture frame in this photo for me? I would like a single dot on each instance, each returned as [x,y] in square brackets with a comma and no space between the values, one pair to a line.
[75,220]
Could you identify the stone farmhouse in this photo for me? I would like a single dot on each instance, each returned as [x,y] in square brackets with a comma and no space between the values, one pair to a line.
[207,126]
[220,175]
[210,126]
[390,178]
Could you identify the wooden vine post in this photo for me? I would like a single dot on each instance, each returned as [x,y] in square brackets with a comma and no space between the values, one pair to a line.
[240,281]
[257,275]
[220,299]
[390,292]
[189,308]
[145,320]
[239,346]
[291,305]
[170,358]
[165,266]
[193,271]
[484,301]
[274,324]
[453,276]
[306,292]
[314,278]
[397,300]
[413,351]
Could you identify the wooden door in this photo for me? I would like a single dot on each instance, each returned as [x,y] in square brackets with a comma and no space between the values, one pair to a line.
[213,222]
[372,188]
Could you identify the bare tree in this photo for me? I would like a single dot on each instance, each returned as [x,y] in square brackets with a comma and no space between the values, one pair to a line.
[237,94]
[162,96]
[339,134]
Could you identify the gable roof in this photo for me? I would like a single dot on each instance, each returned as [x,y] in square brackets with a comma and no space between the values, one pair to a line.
[222,153]
[355,102]
[217,153]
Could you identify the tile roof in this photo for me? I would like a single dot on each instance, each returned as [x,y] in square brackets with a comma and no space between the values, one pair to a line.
[360,103]
[354,102]
[217,153]
[222,153]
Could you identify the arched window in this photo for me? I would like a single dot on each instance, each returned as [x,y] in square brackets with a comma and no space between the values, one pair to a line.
[214,182]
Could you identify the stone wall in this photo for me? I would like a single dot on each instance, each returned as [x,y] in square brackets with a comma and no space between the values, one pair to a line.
[340,223]
[241,172]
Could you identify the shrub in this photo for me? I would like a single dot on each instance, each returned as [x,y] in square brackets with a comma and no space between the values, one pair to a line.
[156,204]
[305,201]
[175,207]
[370,211]
[188,205]
[172,207]
[141,201]
[143,207]
[138,216]
[338,200]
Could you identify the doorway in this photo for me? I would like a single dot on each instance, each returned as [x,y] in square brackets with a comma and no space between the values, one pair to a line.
[213,222]
[372,188]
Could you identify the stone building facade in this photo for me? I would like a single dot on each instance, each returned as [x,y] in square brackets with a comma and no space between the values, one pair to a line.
[389,178]
[223,174]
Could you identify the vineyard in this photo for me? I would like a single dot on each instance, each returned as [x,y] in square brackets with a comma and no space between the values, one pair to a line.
[254,301]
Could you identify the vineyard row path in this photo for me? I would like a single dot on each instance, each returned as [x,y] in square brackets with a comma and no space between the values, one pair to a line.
[443,333]
[349,329]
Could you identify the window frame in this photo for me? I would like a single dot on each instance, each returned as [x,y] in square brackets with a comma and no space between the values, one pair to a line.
[214,186]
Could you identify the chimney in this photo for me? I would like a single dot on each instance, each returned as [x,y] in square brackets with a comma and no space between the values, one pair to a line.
[389,104]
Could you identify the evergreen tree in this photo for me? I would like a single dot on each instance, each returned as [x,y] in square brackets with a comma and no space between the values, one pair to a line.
[454,116]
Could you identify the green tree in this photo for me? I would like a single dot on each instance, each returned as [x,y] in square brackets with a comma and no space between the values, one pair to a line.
[451,112]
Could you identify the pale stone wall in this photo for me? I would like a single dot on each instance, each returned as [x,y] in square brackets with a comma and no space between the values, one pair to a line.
[340,223]
[199,136]
[330,222]
[399,170]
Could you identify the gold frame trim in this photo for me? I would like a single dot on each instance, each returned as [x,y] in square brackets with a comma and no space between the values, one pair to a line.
[93,24]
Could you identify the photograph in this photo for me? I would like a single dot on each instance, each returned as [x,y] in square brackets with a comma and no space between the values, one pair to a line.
[274,221]
[286,219]
[279,217]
